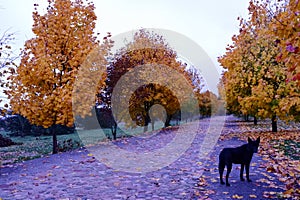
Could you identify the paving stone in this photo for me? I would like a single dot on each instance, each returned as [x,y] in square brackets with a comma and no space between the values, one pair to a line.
[76,178]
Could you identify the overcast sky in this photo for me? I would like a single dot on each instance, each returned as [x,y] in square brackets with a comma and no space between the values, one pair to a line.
[210,23]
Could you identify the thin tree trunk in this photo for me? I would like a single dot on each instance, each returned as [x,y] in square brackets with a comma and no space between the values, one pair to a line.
[168,120]
[114,133]
[255,120]
[152,124]
[147,106]
[246,117]
[55,145]
[22,126]
[114,130]
[274,124]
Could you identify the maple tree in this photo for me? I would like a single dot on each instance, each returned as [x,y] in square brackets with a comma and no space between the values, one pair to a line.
[285,27]
[221,88]
[255,82]
[148,95]
[208,103]
[40,88]
[228,89]
[145,60]
[221,96]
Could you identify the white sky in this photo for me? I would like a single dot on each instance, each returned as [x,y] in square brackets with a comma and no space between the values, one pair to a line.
[210,23]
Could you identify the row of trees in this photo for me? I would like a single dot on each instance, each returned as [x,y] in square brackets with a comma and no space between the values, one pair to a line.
[18,125]
[262,76]
[66,70]
[146,72]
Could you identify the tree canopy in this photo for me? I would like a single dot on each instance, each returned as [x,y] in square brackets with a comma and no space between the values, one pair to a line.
[256,77]
[147,72]
[41,87]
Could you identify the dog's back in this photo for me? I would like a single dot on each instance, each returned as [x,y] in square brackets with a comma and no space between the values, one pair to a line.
[238,155]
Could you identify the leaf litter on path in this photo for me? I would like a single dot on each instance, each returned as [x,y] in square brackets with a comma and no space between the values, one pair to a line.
[275,168]
[78,174]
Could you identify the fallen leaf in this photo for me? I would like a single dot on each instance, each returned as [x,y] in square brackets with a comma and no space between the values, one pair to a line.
[252,196]
[199,163]
[237,196]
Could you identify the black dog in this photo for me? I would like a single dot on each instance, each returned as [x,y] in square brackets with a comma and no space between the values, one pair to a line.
[239,155]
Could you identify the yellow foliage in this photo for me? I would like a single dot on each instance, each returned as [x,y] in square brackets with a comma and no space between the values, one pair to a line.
[285,27]
[41,89]
[147,72]
[256,81]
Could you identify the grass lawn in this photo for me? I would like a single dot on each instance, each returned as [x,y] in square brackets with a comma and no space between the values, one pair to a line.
[36,147]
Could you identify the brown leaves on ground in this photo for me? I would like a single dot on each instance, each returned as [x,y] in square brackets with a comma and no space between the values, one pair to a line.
[202,191]
[281,151]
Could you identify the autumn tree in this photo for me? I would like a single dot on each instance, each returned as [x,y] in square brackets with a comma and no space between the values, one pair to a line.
[148,95]
[285,27]
[256,79]
[41,89]
[235,80]
[221,95]
[230,99]
[208,103]
[147,59]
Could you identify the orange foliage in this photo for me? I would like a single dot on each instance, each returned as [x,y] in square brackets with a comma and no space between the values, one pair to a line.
[41,88]
[147,68]
[256,80]
[286,28]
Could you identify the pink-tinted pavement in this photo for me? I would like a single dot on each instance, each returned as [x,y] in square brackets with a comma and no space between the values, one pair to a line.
[78,175]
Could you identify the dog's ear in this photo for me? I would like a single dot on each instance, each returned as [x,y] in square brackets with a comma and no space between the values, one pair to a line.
[249,140]
[258,139]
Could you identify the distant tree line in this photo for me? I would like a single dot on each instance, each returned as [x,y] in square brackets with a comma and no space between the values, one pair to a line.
[18,125]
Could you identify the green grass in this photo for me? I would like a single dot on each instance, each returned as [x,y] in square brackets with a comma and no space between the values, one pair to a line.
[290,148]
[36,147]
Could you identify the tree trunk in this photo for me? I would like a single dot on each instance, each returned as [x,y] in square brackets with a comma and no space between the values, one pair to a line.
[246,118]
[55,145]
[114,133]
[22,126]
[168,120]
[152,124]
[147,120]
[255,120]
[114,130]
[274,124]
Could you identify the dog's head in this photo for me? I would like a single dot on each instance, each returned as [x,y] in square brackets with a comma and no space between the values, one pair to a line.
[253,145]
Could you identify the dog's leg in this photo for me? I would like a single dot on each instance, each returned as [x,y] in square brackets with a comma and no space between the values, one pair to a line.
[242,172]
[247,172]
[229,167]
[221,170]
